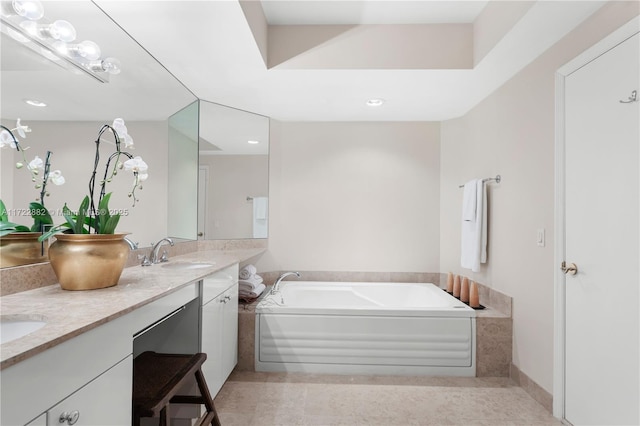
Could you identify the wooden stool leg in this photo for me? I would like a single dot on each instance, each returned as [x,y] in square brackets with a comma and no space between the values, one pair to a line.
[164,416]
[208,401]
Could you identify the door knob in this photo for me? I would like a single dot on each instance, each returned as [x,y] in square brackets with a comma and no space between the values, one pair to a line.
[571,269]
[200,234]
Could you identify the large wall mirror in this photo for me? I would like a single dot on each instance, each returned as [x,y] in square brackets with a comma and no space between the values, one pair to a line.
[144,94]
[233,182]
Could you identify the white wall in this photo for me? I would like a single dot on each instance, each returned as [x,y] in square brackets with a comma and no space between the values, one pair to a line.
[512,133]
[353,197]
[73,148]
[233,178]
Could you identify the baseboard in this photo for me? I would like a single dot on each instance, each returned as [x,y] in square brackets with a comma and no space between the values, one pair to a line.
[532,388]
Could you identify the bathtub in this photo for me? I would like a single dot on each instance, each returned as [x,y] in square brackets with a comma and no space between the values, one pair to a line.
[365,328]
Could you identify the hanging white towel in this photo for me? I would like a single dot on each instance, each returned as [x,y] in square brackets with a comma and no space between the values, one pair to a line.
[469,201]
[260,213]
[260,207]
[474,233]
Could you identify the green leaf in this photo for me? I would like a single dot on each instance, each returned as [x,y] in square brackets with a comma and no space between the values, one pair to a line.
[68,215]
[4,217]
[80,216]
[110,226]
[103,214]
[40,216]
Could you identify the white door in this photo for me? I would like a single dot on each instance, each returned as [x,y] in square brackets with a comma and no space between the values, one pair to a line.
[602,352]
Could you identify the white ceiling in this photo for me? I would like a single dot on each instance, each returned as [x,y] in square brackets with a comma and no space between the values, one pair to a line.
[314,12]
[209,47]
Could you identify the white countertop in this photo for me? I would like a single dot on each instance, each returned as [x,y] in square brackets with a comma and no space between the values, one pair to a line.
[70,313]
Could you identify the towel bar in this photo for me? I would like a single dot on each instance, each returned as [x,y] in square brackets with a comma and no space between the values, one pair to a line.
[498,178]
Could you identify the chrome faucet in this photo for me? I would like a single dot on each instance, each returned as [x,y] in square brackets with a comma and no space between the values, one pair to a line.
[153,257]
[132,245]
[276,285]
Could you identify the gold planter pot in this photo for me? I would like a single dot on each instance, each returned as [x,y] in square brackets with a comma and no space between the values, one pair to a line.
[22,248]
[88,261]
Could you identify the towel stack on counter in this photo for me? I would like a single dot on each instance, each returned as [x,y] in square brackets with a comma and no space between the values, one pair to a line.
[250,284]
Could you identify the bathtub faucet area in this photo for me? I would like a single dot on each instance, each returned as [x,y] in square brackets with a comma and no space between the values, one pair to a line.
[276,285]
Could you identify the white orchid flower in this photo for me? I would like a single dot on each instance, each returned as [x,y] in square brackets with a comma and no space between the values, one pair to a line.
[36,164]
[119,126]
[142,177]
[121,129]
[128,141]
[6,139]
[22,129]
[56,177]
[136,165]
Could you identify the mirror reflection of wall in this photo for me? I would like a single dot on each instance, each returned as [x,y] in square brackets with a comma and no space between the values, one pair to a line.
[234,173]
[144,94]
[183,174]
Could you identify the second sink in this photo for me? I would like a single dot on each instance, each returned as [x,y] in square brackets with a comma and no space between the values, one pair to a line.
[13,327]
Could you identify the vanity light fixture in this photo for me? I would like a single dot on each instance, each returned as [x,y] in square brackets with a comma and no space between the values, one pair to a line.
[28,9]
[24,21]
[375,102]
[35,103]
[253,142]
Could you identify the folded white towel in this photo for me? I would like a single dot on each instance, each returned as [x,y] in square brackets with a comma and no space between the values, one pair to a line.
[247,272]
[474,233]
[250,284]
[253,293]
[469,201]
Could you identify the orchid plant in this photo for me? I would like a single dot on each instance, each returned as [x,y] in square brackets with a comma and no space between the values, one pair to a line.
[97,218]
[41,175]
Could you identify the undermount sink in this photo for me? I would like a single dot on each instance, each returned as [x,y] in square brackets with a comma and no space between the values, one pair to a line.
[13,327]
[187,265]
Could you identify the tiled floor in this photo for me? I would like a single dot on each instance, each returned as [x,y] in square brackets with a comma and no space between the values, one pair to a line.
[308,399]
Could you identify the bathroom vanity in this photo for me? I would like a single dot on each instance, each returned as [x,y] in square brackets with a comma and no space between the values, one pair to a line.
[77,369]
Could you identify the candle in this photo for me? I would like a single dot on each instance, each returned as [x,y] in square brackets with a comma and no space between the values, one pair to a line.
[474,298]
[464,290]
[456,285]
[450,283]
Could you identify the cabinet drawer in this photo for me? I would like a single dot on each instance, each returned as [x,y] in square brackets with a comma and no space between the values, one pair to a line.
[106,400]
[216,283]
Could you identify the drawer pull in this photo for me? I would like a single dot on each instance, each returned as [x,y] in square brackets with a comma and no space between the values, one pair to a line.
[70,418]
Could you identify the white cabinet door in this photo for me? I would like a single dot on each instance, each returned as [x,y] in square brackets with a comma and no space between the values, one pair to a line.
[230,332]
[212,314]
[106,400]
[220,338]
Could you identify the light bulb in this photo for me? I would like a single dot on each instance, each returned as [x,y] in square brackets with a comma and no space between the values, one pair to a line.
[87,50]
[110,65]
[29,9]
[60,30]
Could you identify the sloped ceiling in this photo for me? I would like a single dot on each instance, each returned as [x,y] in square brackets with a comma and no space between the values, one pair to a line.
[222,52]
[304,59]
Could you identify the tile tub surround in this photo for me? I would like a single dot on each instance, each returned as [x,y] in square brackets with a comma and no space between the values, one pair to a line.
[86,310]
[493,326]
[311,399]
[28,277]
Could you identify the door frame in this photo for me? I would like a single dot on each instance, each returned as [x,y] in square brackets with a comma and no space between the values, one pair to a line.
[203,186]
[625,32]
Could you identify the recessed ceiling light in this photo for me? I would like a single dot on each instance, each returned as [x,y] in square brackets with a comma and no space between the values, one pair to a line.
[35,103]
[253,142]
[375,102]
